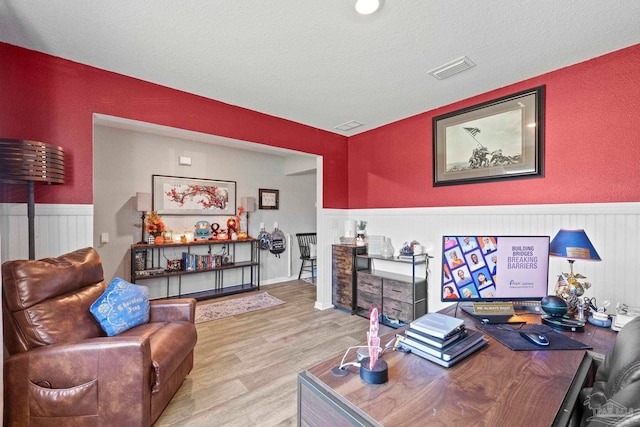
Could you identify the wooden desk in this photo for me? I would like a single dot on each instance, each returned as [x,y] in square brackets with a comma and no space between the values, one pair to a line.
[493,387]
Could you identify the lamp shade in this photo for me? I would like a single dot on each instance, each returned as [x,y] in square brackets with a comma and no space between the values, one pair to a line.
[143,202]
[248,204]
[573,244]
[23,161]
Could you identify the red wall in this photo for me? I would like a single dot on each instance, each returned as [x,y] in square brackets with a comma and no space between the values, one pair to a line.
[592,146]
[52,100]
[591,134]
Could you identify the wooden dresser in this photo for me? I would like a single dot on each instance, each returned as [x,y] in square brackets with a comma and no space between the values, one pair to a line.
[344,266]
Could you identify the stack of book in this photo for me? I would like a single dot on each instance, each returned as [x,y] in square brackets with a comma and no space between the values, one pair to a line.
[441,339]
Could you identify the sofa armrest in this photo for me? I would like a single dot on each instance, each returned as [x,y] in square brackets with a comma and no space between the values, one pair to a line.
[90,381]
[171,310]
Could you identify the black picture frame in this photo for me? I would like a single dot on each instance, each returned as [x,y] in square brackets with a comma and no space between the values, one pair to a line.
[495,140]
[268,199]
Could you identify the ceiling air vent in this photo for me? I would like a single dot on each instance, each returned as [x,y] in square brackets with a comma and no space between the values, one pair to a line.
[348,125]
[450,68]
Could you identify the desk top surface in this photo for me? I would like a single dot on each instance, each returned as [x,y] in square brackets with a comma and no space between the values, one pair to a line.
[494,386]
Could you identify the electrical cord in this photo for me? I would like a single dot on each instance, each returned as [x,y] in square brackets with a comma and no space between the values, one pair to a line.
[381,350]
[344,365]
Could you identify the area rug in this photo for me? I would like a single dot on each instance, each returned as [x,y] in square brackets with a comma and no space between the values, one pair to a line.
[235,306]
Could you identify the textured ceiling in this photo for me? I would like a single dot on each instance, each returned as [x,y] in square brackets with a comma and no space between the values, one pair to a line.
[318,62]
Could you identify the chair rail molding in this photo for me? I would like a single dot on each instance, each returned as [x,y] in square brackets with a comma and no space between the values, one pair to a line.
[612,227]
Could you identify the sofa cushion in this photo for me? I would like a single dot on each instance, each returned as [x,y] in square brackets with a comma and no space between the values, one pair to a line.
[122,306]
[43,300]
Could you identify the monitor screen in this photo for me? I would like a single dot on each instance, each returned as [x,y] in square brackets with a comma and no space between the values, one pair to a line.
[494,268]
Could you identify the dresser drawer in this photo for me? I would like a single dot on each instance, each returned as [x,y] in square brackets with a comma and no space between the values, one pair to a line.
[400,310]
[401,291]
[369,293]
[368,300]
[369,283]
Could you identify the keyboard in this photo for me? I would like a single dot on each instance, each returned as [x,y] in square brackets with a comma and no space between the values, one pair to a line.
[527,307]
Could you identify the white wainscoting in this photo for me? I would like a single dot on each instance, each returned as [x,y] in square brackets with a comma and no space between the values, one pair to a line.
[613,228]
[58,229]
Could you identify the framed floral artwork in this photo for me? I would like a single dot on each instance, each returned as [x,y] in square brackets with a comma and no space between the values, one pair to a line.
[173,195]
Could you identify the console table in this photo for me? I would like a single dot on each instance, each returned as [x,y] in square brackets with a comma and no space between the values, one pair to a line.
[212,257]
[401,297]
[493,387]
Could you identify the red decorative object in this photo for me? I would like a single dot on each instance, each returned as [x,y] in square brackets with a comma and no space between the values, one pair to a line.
[232,224]
[159,240]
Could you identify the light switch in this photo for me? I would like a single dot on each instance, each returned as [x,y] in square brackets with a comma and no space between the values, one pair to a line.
[184,161]
[104,237]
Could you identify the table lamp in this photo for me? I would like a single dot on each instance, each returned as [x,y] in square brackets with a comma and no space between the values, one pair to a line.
[572,245]
[249,205]
[143,204]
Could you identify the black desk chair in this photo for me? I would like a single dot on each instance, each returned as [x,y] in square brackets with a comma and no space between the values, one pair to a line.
[614,397]
[305,240]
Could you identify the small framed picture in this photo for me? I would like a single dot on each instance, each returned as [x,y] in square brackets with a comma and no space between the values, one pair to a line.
[268,199]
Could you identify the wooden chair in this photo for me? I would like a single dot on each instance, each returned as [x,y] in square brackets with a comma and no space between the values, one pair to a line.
[305,240]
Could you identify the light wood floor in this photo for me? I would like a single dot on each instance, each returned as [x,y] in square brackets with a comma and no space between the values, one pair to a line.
[246,366]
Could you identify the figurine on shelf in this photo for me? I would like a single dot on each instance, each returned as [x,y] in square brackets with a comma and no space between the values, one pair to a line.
[214,230]
[232,225]
[406,249]
[203,230]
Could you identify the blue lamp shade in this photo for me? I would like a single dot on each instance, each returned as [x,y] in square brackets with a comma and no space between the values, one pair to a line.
[573,244]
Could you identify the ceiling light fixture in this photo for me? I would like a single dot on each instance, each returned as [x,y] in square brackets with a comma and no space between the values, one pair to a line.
[366,7]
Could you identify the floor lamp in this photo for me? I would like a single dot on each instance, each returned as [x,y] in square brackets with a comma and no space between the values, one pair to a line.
[29,162]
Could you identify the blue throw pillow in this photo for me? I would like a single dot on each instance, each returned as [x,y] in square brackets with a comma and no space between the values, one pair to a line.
[122,306]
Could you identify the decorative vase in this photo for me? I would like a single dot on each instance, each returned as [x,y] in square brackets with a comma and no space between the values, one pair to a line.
[159,240]
[387,249]
[360,238]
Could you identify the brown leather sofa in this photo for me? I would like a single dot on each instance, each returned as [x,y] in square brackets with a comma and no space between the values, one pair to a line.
[60,368]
